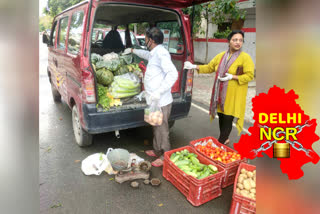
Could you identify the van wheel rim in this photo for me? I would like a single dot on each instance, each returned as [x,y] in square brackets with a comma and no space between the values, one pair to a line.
[76,126]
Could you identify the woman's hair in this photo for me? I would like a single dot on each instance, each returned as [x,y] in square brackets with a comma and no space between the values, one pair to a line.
[233,33]
[155,34]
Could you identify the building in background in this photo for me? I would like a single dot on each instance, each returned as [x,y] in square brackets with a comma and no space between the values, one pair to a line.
[216,46]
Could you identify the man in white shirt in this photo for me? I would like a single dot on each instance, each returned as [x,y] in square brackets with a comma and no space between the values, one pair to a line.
[160,76]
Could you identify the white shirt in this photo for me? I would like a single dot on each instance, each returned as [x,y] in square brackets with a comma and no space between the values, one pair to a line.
[161,74]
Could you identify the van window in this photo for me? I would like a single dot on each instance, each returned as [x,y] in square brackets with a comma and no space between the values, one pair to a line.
[75,32]
[93,37]
[100,35]
[172,36]
[62,33]
[53,34]
[123,36]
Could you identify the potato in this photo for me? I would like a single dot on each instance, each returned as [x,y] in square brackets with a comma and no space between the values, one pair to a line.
[157,113]
[252,196]
[249,174]
[253,190]
[159,121]
[253,183]
[243,175]
[238,191]
[154,117]
[240,179]
[243,171]
[240,186]
[247,184]
[244,193]
[254,172]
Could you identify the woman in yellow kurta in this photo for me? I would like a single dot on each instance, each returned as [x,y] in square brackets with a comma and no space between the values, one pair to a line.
[234,69]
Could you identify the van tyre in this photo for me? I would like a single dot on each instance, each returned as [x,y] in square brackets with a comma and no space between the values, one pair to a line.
[55,94]
[82,137]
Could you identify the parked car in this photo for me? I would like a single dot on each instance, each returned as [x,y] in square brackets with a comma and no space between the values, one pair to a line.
[72,75]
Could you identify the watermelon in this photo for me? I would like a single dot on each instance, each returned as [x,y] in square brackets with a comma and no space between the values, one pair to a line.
[104,76]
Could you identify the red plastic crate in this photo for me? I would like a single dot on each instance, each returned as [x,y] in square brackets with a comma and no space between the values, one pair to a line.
[230,168]
[197,191]
[241,204]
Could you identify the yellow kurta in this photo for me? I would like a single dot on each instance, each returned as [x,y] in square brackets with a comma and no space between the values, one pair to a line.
[235,103]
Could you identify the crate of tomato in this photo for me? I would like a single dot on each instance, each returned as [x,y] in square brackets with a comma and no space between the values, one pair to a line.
[222,155]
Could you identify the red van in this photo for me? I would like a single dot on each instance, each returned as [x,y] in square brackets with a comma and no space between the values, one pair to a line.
[71,73]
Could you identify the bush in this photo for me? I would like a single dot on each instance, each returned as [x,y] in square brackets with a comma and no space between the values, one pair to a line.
[222,35]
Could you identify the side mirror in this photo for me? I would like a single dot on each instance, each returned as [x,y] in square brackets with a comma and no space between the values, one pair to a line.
[45,39]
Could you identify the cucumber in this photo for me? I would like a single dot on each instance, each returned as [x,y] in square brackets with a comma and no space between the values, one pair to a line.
[175,159]
[191,173]
[213,168]
[185,168]
[172,156]
[182,162]
[195,161]
[205,174]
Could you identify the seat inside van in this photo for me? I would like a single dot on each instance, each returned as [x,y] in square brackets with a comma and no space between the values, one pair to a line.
[113,41]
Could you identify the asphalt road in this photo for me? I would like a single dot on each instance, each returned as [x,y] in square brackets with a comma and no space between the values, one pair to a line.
[65,189]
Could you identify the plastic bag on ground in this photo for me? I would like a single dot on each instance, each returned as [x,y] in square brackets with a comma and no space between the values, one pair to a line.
[135,157]
[153,114]
[95,164]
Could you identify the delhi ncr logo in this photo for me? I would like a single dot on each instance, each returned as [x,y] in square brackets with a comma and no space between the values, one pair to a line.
[288,134]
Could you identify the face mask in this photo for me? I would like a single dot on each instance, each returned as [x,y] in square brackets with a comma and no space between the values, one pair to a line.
[148,46]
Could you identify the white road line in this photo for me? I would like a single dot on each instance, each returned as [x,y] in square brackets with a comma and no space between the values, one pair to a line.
[206,111]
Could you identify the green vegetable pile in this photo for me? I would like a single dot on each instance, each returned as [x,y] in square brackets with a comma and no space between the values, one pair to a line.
[104,100]
[123,87]
[189,163]
[119,74]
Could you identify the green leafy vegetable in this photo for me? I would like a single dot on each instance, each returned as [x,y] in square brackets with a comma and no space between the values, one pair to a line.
[104,100]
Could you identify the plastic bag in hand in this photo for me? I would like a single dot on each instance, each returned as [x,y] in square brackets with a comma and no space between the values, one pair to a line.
[153,114]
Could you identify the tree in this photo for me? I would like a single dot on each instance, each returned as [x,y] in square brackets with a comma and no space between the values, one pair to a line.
[197,13]
[221,11]
[226,11]
[45,23]
[201,11]
[57,6]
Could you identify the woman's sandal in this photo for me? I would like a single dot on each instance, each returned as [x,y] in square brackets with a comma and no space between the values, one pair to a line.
[227,142]
[151,153]
[157,163]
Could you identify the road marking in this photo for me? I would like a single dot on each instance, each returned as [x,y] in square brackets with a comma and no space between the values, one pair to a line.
[206,111]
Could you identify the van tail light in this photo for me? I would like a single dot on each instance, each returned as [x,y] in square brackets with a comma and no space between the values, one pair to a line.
[189,83]
[87,85]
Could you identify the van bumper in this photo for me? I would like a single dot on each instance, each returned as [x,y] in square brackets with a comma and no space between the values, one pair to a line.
[101,122]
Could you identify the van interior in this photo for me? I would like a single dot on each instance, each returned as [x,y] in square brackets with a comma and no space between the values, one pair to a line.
[111,33]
